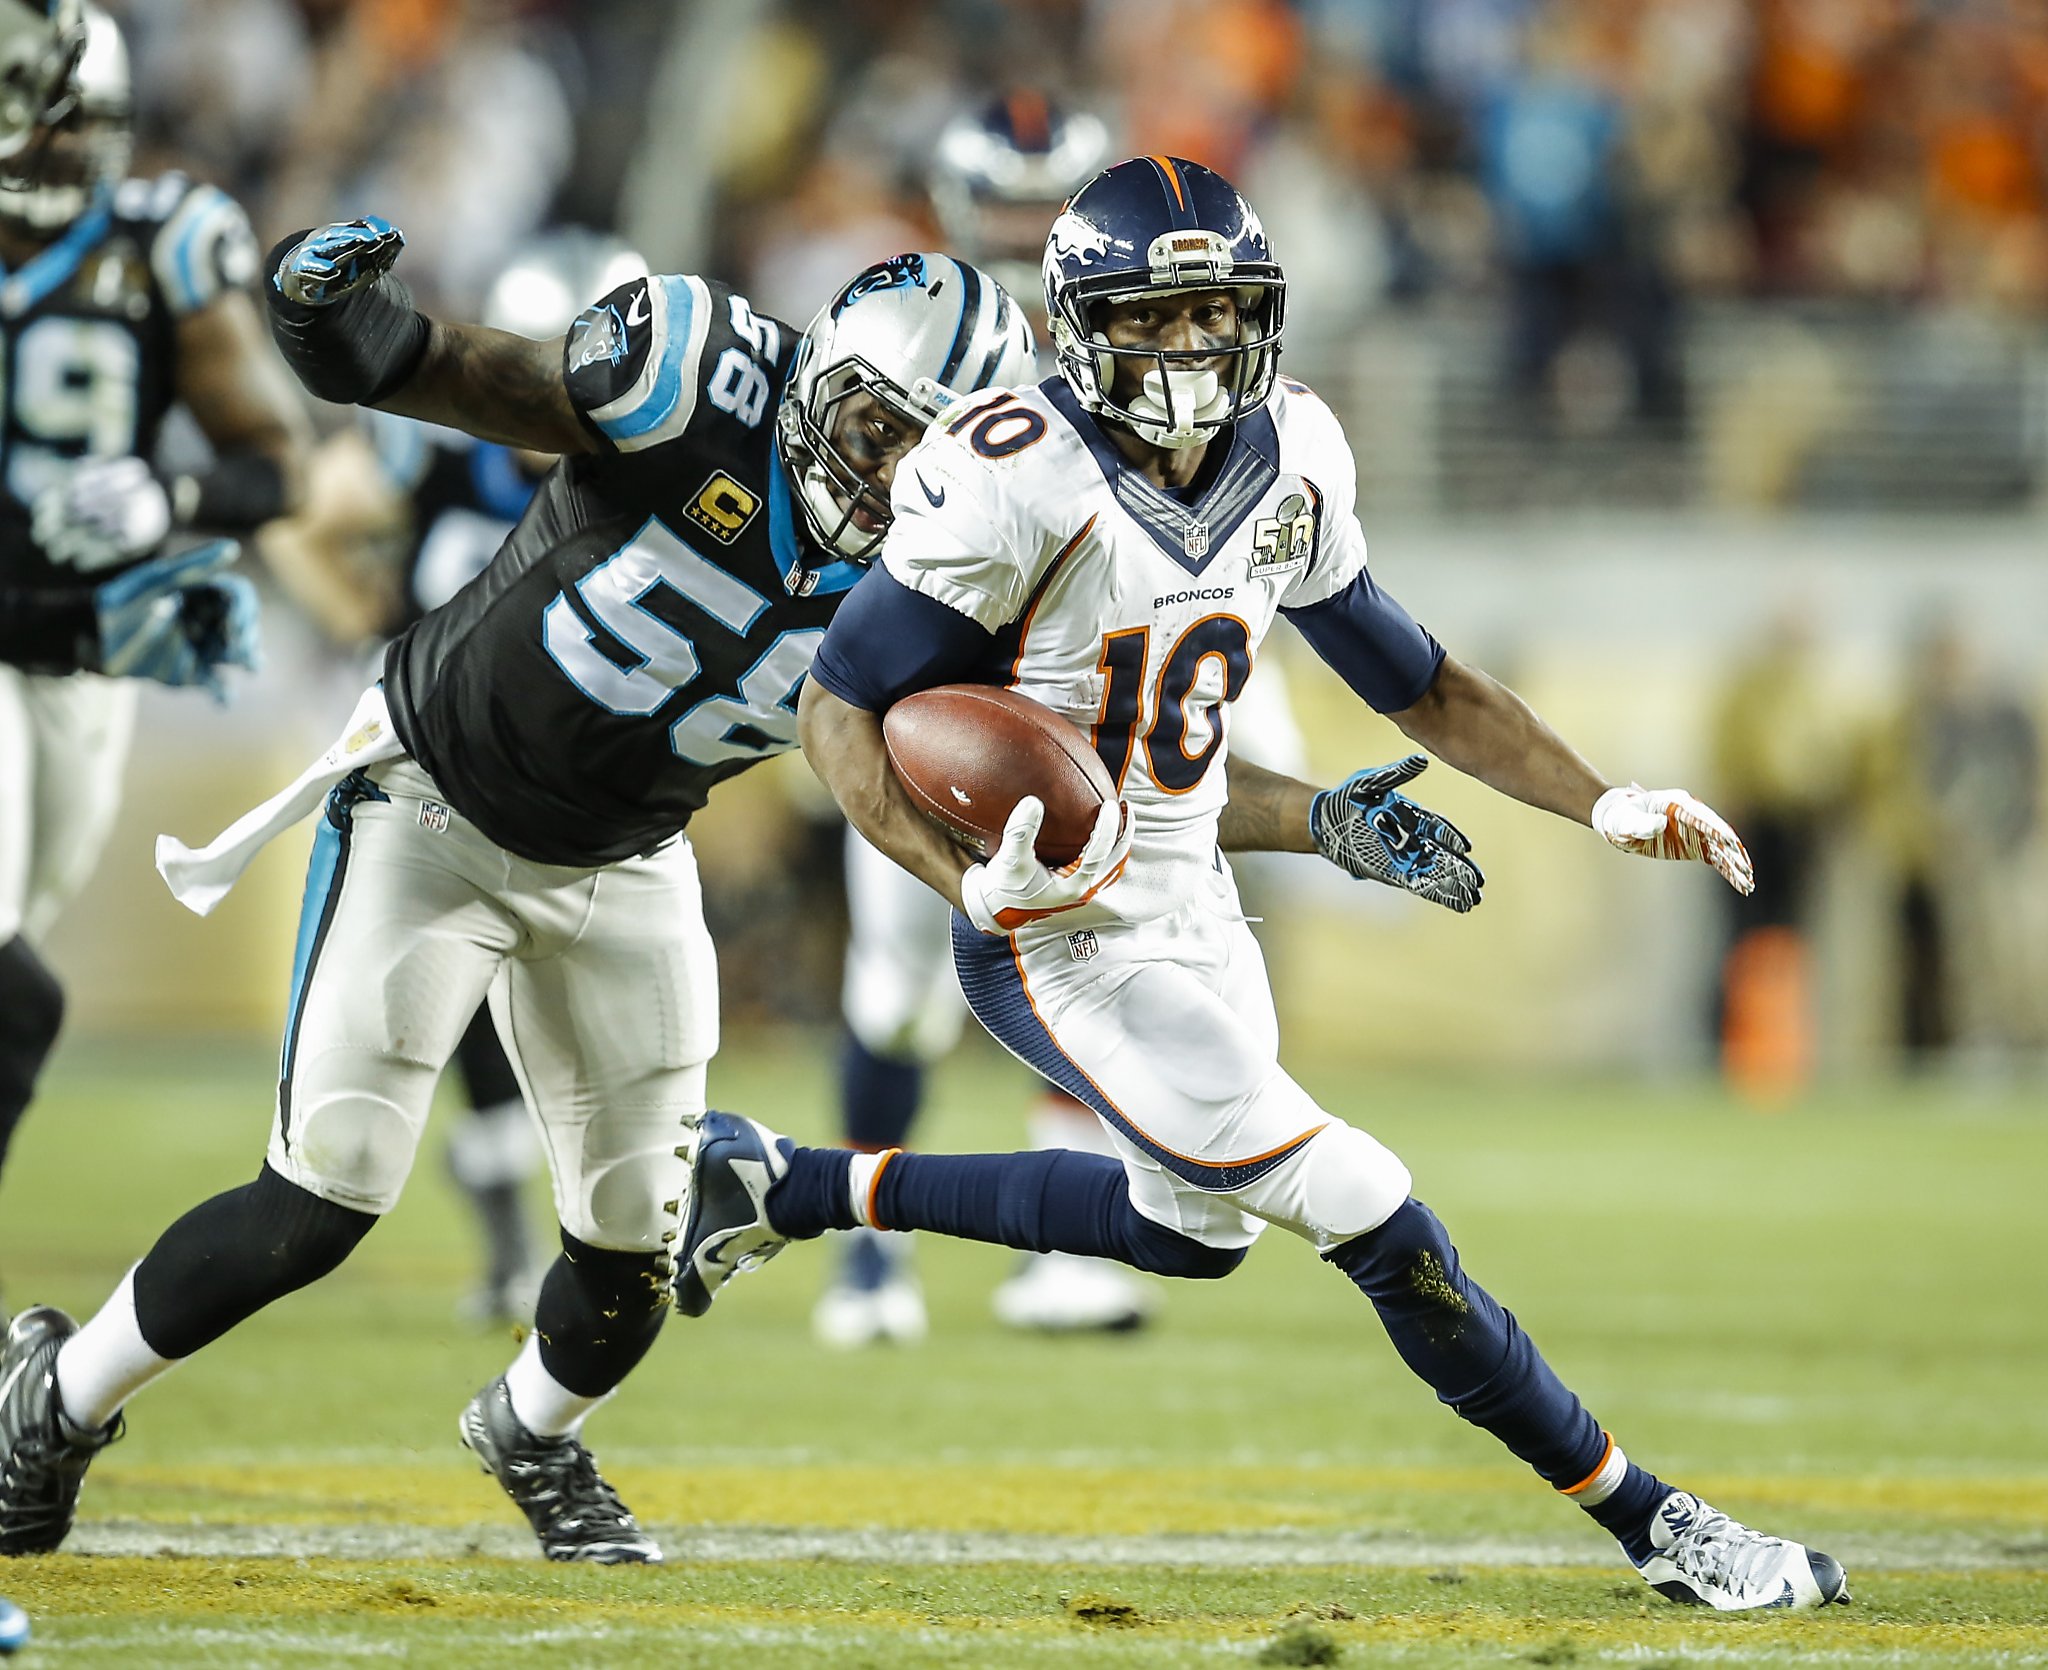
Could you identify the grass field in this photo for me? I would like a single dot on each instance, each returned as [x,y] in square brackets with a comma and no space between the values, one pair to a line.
[1833,1322]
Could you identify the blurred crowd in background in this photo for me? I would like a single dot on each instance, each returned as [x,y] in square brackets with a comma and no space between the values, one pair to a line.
[1675,255]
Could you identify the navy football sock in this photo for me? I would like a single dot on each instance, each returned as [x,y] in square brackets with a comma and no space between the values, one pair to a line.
[1453,1334]
[878,1097]
[815,1194]
[1048,1200]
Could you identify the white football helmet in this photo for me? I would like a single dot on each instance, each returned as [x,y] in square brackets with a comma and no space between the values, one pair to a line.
[917,332]
[554,277]
[79,135]
[40,41]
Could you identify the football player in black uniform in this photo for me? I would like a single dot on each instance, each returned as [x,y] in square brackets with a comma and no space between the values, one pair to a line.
[505,814]
[399,517]
[118,298]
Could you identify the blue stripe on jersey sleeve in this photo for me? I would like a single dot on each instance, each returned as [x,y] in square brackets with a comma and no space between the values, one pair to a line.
[1372,644]
[206,217]
[666,388]
[887,641]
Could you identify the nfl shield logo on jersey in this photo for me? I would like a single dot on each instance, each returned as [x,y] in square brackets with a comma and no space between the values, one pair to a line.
[1083,945]
[1194,540]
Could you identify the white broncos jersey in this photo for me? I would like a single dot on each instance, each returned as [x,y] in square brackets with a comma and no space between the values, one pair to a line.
[1136,613]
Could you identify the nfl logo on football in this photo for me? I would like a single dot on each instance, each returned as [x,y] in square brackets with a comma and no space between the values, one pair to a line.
[1081,946]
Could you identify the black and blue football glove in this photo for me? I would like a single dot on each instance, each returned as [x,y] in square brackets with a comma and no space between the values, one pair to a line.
[1365,827]
[323,266]
[343,320]
[179,620]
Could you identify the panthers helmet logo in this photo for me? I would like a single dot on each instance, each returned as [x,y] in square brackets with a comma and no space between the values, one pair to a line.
[892,274]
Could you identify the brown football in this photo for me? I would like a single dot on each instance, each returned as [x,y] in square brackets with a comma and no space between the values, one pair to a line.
[967,753]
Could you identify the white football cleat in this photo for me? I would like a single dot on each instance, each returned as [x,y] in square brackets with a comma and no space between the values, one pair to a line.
[1701,1557]
[1064,1293]
[873,1300]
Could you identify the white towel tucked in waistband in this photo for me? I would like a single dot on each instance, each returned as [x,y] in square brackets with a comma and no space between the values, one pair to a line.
[200,880]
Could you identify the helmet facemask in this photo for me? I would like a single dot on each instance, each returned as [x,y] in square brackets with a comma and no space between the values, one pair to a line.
[1187,395]
[832,491]
[80,141]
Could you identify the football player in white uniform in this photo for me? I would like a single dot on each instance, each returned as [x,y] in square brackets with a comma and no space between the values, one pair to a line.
[999,173]
[121,298]
[1116,543]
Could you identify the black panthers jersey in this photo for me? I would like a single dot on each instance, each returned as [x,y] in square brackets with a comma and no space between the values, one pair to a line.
[643,633]
[465,496]
[88,330]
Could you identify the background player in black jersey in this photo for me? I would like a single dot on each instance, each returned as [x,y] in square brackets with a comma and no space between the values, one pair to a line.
[118,298]
[174,619]
[505,814]
[400,516]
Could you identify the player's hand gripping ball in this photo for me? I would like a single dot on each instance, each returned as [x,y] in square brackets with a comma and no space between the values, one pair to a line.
[13,1627]
[966,754]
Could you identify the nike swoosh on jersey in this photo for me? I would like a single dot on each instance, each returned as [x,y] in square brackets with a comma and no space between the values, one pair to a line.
[935,499]
[636,309]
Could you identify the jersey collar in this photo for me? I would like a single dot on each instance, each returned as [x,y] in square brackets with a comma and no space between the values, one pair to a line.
[1187,533]
[785,544]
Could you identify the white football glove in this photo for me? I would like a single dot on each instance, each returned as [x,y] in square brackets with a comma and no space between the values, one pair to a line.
[104,512]
[1012,888]
[1669,823]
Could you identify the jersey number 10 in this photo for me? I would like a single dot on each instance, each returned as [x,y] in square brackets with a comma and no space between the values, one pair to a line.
[1224,638]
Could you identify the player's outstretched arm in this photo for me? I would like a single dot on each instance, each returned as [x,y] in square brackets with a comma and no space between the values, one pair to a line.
[1266,811]
[346,326]
[1364,826]
[1485,730]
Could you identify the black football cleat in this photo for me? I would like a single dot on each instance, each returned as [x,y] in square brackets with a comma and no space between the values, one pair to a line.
[43,1457]
[555,1481]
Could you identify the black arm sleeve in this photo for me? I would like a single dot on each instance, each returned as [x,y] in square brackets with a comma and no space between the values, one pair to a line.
[355,351]
[1372,644]
[48,631]
[887,641]
[242,490]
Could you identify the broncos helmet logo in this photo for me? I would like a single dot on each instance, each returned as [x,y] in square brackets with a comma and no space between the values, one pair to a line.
[892,274]
[1075,239]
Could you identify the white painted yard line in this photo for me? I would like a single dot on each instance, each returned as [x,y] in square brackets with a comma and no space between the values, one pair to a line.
[763,1544]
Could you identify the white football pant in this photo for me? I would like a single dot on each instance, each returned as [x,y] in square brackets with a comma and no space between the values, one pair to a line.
[63,750]
[603,984]
[1166,1029]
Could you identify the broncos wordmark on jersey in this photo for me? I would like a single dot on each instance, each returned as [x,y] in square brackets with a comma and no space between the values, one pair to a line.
[88,332]
[638,638]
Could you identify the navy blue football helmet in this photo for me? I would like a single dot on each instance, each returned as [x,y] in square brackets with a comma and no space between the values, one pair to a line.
[1000,172]
[1156,226]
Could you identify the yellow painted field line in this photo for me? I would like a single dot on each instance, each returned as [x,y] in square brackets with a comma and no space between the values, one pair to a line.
[1021,1499]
